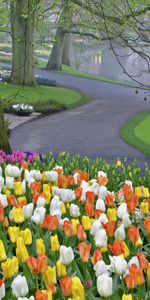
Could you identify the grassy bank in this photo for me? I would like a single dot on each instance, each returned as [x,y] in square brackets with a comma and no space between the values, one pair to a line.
[43,98]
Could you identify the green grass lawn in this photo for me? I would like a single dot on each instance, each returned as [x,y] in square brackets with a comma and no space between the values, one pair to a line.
[42,97]
[136,132]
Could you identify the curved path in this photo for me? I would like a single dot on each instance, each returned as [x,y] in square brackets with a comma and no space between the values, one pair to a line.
[91,129]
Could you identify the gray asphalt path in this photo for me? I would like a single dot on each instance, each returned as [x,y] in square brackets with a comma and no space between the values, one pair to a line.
[91,129]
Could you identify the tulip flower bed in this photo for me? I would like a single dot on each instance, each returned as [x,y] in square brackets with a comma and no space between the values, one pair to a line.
[73,229]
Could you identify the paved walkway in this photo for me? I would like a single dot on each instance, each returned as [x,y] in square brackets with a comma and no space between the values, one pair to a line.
[91,129]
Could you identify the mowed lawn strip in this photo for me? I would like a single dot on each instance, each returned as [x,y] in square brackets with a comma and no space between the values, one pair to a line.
[136,132]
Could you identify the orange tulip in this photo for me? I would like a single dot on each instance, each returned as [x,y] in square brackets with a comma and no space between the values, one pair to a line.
[117,248]
[78,192]
[89,209]
[41,295]
[66,286]
[109,200]
[102,180]
[36,187]
[110,228]
[84,250]
[6,222]
[50,222]
[133,234]
[90,197]
[24,165]
[147,225]
[81,232]
[68,228]
[12,200]
[127,191]
[97,256]
[71,180]
[130,282]
[63,182]
[139,279]
[37,265]
[142,261]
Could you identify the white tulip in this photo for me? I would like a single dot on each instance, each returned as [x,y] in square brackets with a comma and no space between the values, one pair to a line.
[67,195]
[2,291]
[101,173]
[84,184]
[74,211]
[122,210]
[8,170]
[10,182]
[101,238]
[55,203]
[23,186]
[103,218]
[38,215]
[51,176]
[1,171]
[103,192]
[100,268]
[16,172]
[25,298]
[75,176]
[104,285]
[100,205]
[56,191]
[134,261]
[27,210]
[19,286]
[3,200]
[41,201]
[120,233]
[1,183]
[38,175]
[95,227]
[119,265]
[126,220]
[66,255]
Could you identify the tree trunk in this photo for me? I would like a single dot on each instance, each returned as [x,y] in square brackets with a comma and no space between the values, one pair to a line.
[66,50]
[55,60]
[4,142]
[22,28]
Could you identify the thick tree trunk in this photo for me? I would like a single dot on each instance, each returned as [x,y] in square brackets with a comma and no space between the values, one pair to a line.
[22,27]
[55,60]
[4,142]
[66,50]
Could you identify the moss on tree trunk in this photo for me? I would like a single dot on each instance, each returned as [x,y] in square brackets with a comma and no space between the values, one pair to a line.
[22,27]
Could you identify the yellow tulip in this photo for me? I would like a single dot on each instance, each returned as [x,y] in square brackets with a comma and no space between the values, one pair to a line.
[61,269]
[127,297]
[6,191]
[86,222]
[17,215]
[10,267]
[74,223]
[55,246]
[77,289]
[104,249]
[40,247]
[141,191]
[18,188]
[2,251]
[118,163]
[21,199]
[49,276]
[126,250]
[21,250]
[144,207]
[26,236]
[47,193]
[63,208]
[139,242]
[112,214]
[13,233]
